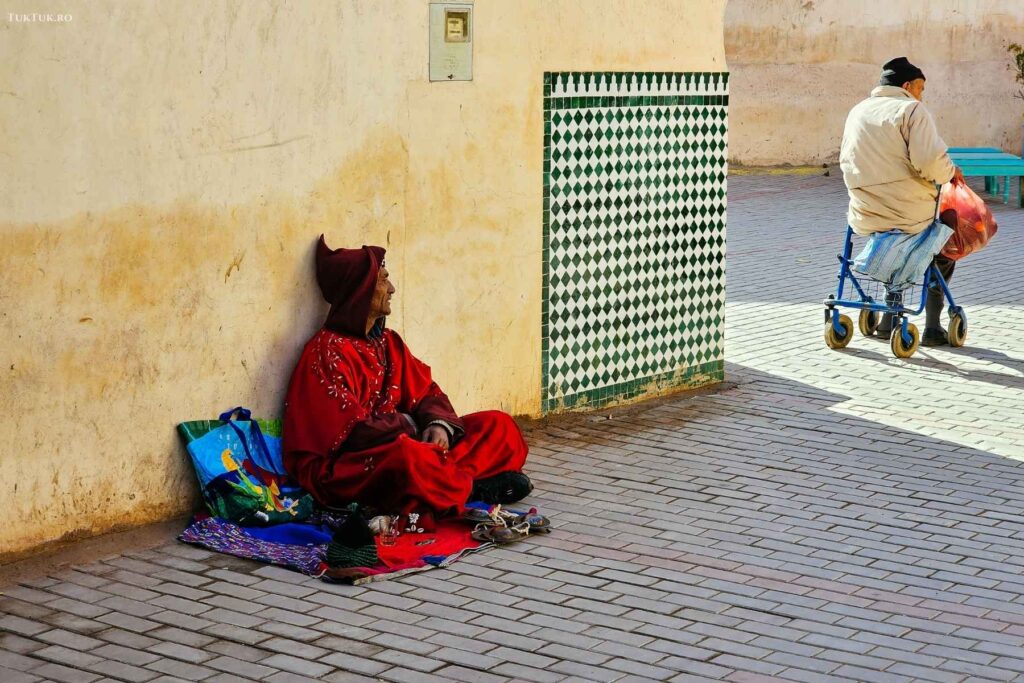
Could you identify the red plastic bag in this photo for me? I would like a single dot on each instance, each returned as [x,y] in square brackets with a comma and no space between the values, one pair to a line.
[975,225]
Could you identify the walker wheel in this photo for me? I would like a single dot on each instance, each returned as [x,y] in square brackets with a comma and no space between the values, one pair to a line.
[957,330]
[868,322]
[834,340]
[896,344]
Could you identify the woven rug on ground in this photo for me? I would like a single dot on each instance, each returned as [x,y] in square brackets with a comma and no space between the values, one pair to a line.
[303,547]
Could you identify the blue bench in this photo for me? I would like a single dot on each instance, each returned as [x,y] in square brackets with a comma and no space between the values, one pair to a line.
[992,163]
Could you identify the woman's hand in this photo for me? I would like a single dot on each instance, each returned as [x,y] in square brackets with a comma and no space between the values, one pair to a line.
[436,435]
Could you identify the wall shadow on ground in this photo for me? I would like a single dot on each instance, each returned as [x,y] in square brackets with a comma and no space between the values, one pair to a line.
[773,459]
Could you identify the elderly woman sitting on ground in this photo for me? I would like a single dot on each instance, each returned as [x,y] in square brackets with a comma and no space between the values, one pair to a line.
[364,421]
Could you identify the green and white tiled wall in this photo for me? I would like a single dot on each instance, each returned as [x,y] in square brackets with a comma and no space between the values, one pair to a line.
[634,234]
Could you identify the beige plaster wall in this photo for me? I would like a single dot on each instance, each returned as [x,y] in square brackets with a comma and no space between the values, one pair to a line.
[167,166]
[797,66]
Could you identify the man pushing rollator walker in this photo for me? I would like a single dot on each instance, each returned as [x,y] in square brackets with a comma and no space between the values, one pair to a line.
[893,163]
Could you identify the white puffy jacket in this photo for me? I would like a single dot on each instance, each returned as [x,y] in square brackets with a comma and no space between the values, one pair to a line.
[892,157]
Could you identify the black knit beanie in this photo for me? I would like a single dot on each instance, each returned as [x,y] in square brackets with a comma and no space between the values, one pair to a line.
[899,71]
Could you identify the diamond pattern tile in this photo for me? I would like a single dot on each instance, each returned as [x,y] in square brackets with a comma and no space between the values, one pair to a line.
[634,234]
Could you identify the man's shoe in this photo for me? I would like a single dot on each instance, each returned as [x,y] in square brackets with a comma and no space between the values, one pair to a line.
[934,336]
[501,489]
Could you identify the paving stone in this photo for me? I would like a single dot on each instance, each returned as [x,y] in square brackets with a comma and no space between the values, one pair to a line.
[77,592]
[28,594]
[182,652]
[179,669]
[238,667]
[66,656]
[231,578]
[286,677]
[20,608]
[525,673]
[124,672]
[349,677]
[458,673]
[17,661]
[293,647]
[354,663]
[296,633]
[14,676]
[10,642]
[128,622]
[586,672]
[220,615]
[297,665]
[180,620]
[20,625]
[74,641]
[408,660]
[58,672]
[357,648]
[402,675]
[228,678]
[126,655]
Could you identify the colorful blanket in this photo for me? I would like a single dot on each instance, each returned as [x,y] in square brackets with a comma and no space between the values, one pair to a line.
[303,547]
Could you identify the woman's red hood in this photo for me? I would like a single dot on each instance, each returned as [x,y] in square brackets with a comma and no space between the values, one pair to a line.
[348,279]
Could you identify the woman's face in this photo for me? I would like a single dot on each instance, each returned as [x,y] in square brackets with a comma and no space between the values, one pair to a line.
[380,304]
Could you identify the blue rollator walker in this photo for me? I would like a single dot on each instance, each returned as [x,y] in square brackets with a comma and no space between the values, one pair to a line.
[877,298]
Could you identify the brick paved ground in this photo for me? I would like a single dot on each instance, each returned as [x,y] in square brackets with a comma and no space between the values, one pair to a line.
[832,516]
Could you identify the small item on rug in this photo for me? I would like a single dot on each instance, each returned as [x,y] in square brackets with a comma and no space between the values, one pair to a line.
[416,522]
[379,524]
[332,519]
[355,531]
[340,555]
[389,536]
[353,544]
[386,528]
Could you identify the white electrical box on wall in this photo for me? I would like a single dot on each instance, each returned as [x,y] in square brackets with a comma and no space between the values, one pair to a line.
[451,41]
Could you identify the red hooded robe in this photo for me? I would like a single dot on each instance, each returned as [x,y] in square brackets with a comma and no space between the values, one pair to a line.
[358,402]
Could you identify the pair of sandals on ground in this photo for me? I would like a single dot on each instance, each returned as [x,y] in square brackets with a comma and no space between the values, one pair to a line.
[484,509]
[495,524]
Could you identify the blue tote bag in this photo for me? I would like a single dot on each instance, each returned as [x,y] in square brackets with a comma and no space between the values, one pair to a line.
[240,470]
